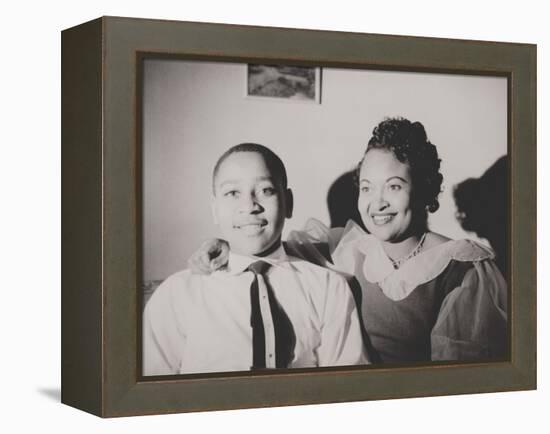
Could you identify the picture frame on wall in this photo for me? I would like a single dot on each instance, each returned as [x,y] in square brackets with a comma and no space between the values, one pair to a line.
[149,106]
[284,83]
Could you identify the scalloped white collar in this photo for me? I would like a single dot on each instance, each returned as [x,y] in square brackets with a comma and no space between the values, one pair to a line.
[398,284]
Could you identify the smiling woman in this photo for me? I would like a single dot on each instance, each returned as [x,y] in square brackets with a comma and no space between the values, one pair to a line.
[423,296]
[399,182]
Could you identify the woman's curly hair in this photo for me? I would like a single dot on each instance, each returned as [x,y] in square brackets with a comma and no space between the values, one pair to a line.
[409,143]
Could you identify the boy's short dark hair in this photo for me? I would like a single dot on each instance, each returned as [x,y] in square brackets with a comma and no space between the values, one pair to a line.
[272,161]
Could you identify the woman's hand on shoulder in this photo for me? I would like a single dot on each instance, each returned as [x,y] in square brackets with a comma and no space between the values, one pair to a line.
[211,256]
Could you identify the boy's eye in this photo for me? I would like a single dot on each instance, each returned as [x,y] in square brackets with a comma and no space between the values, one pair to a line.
[365,189]
[231,193]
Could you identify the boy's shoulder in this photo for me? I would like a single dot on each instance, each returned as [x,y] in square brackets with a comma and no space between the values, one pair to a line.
[180,284]
[181,277]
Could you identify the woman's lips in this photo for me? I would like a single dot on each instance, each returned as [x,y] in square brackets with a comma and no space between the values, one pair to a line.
[382,219]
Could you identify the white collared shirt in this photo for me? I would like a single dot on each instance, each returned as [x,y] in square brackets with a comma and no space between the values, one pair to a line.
[198,324]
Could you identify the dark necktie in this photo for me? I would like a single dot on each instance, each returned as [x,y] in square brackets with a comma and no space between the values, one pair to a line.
[279,326]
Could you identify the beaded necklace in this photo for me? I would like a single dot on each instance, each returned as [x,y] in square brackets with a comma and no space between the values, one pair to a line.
[398,262]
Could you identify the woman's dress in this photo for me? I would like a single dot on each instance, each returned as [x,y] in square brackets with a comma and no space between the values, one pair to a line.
[448,302]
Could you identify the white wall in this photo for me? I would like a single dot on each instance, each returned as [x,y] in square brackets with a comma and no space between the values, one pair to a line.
[194,111]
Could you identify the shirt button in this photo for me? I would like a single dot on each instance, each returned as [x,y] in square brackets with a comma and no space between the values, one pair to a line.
[271,355]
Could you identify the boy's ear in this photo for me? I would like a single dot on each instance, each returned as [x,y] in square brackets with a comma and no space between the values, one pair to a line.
[289,200]
[213,209]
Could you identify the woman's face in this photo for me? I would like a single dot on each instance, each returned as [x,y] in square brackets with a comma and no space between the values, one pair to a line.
[385,188]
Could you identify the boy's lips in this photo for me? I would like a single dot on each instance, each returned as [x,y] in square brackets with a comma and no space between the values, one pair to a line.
[250,223]
[252,227]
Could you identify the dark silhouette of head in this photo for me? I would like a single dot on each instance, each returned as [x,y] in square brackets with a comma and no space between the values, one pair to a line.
[342,201]
[482,205]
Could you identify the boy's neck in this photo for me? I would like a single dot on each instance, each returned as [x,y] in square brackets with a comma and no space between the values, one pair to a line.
[270,250]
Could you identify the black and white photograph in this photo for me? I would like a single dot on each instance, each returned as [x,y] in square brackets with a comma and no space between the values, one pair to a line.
[369,229]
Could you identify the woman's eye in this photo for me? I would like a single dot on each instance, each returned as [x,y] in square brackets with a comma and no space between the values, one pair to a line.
[268,191]
[365,189]
[395,187]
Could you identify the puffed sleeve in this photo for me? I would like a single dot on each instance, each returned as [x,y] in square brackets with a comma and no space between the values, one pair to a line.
[472,322]
[314,243]
[333,248]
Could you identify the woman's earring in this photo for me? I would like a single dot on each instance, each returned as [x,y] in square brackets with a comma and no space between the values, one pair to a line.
[433,207]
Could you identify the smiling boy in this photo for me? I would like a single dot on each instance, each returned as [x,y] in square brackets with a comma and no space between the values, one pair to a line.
[251,199]
[265,309]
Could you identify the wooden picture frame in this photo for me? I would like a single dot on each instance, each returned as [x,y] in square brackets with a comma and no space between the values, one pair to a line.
[101,246]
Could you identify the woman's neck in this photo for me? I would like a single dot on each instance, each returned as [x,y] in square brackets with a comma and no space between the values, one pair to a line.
[410,241]
[400,249]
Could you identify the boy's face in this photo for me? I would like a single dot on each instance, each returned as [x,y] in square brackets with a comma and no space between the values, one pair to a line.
[249,205]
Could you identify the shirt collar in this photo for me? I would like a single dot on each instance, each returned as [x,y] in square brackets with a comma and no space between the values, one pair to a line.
[238,263]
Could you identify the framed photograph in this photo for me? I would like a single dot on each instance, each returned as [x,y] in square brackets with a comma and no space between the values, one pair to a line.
[397,217]
[284,83]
